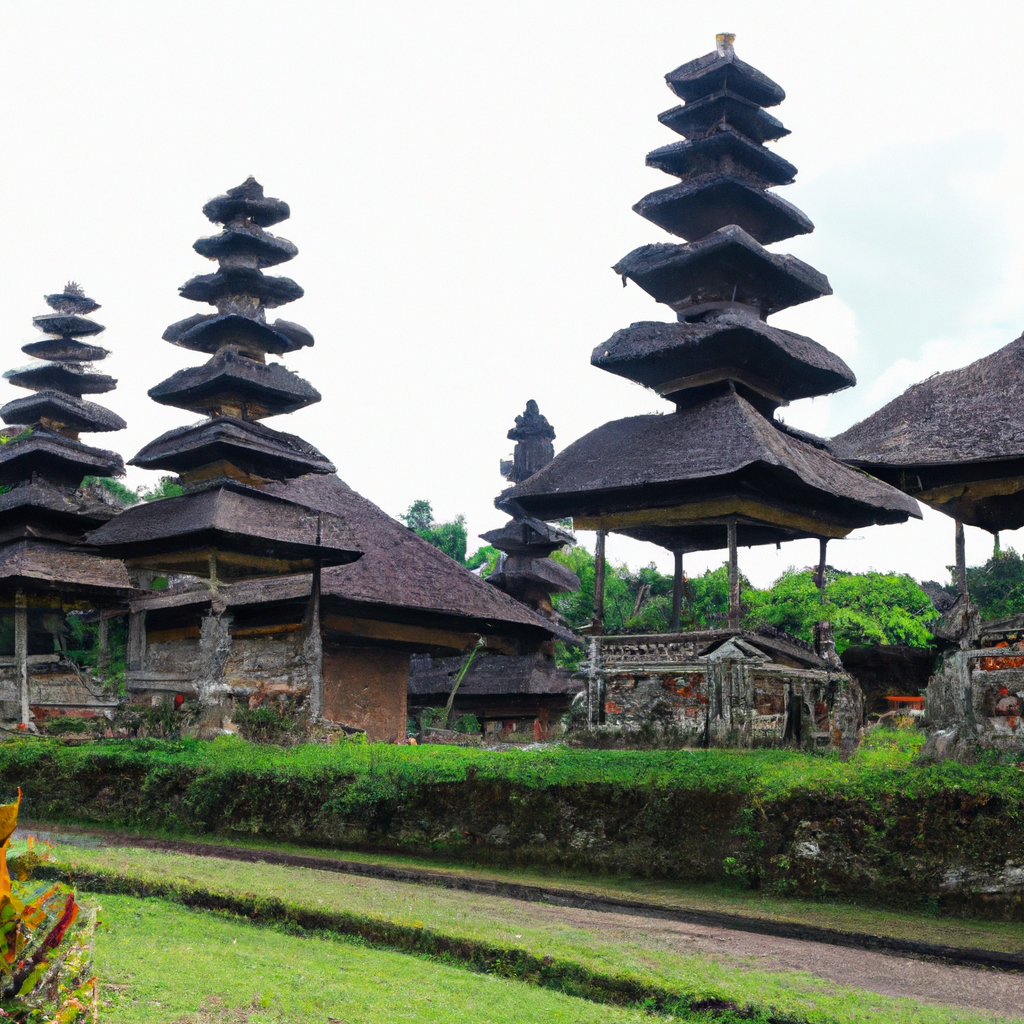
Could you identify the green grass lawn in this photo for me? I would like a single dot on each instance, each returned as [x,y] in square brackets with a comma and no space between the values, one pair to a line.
[1003,936]
[162,964]
[507,924]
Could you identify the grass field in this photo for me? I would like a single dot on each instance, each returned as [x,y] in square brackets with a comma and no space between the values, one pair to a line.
[583,959]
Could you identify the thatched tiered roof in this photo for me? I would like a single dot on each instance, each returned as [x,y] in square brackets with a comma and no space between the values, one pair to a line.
[225,526]
[954,441]
[720,460]
[44,512]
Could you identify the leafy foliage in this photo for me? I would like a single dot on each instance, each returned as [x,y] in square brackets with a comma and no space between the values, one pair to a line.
[42,976]
[167,487]
[450,537]
[123,494]
[997,587]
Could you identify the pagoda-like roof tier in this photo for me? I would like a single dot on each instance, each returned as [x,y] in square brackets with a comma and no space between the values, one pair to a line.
[210,332]
[66,410]
[723,110]
[699,206]
[233,379]
[726,266]
[713,536]
[519,573]
[67,325]
[72,300]
[251,447]
[55,458]
[228,282]
[725,152]
[720,70]
[731,345]
[37,508]
[709,462]
[64,350]
[528,536]
[955,441]
[67,377]
[247,535]
[247,202]
[40,566]
[248,248]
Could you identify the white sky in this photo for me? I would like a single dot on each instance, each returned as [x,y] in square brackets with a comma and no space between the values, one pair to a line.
[461,176]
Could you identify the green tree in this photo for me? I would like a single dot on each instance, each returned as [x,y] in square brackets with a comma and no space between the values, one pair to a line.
[486,556]
[997,587]
[166,487]
[114,487]
[450,537]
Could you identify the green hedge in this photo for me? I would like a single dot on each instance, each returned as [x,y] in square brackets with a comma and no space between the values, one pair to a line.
[881,824]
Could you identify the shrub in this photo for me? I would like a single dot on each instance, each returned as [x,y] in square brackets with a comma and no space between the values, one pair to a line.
[59,725]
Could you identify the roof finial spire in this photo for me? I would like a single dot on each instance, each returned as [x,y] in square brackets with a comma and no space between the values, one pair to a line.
[723,43]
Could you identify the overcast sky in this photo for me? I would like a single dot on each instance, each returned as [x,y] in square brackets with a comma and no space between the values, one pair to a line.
[461,175]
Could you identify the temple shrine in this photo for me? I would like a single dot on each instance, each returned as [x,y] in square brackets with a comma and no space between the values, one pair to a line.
[46,568]
[720,470]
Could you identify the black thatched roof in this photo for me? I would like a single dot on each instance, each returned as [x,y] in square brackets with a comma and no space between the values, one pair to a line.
[40,566]
[726,266]
[251,447]
[71,378]
[64,350]
[723,152]
[210,332]
[400,577]
[55,457]
[712,454]
[248,243]
[697,206]
[972,414]
[39,508]
[722,69]
[668,356]
[540,571]
[266,389]
[247,202]
[74,413]
[245,523]
[526,535]
[955,441]
[491,674]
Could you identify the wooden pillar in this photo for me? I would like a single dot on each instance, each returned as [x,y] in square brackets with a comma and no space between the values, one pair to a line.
[103,640]
[314,646]
[734,579]
[21,654]
[822,546]
[136,653]
[961,561]
[597,628]
[677,593]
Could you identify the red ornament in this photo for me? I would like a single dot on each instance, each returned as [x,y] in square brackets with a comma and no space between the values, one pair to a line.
[179,699]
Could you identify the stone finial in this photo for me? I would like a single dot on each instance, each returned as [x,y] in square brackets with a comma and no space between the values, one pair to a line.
[723,43]
[533,436]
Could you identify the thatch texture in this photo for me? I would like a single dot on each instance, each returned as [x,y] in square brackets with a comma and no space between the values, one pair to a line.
[55,457]
[37,565]
[726,266]
[726,150]
[266,389]
[722,69]
[251,447]
[973,414]
[491,675]
[74,413]
[720,449]
[669,357]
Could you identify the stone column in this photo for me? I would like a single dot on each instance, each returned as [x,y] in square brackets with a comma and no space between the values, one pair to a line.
[21,654]
[734,579]
[597,626]
[677,593]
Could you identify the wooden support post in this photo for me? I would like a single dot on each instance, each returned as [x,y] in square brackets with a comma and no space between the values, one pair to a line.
[21,654]
[677,593]
[734,579]
[104,644]
[961,561]
[314,645]
[822,545]
[136,653]
[597,627]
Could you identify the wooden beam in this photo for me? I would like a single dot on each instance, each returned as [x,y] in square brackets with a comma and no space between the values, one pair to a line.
[398,632]
[677,593]
[597,626]
[734,578]
[723,508]
[164,636]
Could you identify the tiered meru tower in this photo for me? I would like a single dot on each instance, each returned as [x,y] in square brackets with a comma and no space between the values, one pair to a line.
[44,510]
[721,470]
[226,526]
[527,571]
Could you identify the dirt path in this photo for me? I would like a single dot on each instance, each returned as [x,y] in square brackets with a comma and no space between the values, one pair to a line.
[951,976]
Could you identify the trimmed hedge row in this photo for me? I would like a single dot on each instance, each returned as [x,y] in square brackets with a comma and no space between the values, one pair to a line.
[882,825]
